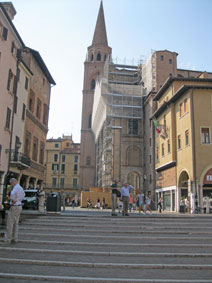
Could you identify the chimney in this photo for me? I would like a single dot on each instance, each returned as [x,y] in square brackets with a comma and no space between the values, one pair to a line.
[8,6]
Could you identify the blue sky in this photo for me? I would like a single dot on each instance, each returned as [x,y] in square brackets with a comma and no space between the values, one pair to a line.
[62,30]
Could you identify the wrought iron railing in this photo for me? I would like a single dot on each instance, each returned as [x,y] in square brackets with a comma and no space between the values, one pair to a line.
[17,157]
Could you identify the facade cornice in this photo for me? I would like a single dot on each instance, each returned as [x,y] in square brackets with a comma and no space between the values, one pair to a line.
[36,121]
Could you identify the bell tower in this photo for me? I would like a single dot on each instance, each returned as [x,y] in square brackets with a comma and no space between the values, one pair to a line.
[97,54]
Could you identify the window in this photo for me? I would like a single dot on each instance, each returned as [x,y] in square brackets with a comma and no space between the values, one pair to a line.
[205,135]
[54,182]
[93,84]
[56,145]
[98,57]
[150,142]
[45,114]
[168,146]
[63,158]
[68,144]
[10,76]
[5,32]
[31,101]
[150,159]
[181,109]
[150,179]
[75,158]
[187,137]
[23,111]
[162,149]
[55,157]
[0,151]
[12,47]
[92,57]
[27,143]
[88,161]
[132,126]
[89,121]
[170,61]
[179,141]
[35,148]
[157,153]
[185,105]
[75,183]
[164,123]
[161,58]
[105,57]
[41,157]
[26,83]
[38,109]
[55,167]
[63,168]
[62,181]
[7,125]
[75,168]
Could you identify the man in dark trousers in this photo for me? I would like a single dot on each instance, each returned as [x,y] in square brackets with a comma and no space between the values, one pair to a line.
[115,193]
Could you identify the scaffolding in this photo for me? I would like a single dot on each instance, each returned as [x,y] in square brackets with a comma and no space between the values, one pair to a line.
[118,107]
[149,72]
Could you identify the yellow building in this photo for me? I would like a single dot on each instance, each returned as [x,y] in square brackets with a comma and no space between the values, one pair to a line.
[183,146]
[62,166]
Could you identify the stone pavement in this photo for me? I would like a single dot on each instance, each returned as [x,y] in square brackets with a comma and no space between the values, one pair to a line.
[91,246]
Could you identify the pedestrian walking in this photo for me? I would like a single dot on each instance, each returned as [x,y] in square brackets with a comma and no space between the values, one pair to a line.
[16,197]
[73,203]
[141,202]
[148,203]
[125,193]
[130,203]
[115,194]
[160,204]
[63,200]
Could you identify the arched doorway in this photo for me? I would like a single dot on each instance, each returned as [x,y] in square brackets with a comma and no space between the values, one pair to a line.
[183,184]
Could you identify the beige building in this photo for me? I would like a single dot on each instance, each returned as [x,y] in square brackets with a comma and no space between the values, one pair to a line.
[25,83]
[183,151]
[62,166]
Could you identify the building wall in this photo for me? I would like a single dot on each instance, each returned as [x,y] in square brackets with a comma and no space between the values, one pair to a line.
[7,62]
[71,152]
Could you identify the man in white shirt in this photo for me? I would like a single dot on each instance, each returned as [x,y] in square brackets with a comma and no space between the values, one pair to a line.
[16,196]
[125,193]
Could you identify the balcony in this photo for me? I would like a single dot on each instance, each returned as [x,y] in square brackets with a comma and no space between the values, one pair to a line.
[19,160]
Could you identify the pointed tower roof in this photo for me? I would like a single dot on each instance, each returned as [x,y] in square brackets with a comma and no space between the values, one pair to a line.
[100,34]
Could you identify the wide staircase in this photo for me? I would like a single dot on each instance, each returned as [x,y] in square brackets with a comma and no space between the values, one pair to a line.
[101,248]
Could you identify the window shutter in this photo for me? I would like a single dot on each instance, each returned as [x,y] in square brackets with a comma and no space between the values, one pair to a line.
[15,103]
[15,85]
[5,32]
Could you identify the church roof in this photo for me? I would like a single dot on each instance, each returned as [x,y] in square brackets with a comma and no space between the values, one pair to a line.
[100,34]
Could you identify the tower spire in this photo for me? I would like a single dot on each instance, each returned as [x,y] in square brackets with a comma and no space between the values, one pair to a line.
[100,34]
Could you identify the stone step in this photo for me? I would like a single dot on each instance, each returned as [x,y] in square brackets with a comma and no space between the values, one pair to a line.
[46,278]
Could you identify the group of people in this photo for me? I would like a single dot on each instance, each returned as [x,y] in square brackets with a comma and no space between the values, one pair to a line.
[143,202]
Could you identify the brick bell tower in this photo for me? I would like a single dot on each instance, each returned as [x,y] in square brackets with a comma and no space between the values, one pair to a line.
[97,54]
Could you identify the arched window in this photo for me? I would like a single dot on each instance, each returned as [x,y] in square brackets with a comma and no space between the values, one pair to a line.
[105,57]
[98,58]
[88,161]
[89,121]
[93,83]
[92,57]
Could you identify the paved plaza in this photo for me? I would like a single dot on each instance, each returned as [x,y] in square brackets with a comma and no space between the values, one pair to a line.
[91,246]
